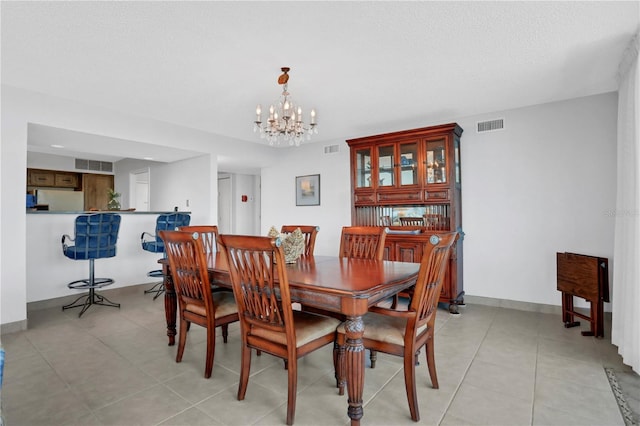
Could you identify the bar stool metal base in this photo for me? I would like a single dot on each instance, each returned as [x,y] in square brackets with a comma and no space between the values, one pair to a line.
[91,298]
[158,288]
[86,300]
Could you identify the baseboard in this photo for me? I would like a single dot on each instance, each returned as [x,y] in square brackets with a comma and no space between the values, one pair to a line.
[513,304]
[12,327]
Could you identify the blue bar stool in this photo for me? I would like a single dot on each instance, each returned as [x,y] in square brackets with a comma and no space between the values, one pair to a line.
[165,222]
[95,238]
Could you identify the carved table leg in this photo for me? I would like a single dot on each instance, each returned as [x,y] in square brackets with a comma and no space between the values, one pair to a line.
[170,303]
[354,329]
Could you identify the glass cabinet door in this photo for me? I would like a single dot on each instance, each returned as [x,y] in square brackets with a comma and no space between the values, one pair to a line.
[436,161]
[363,168]
[385,166]
[409,163]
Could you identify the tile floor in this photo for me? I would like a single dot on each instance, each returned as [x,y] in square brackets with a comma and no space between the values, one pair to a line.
[496,366]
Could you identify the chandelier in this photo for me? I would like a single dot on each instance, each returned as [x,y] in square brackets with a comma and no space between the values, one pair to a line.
[285,119]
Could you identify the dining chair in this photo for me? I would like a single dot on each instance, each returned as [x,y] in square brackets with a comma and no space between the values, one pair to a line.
[363,242]
[309,231]
[267,321]
[412,221]
[435,222]
[208,235]
[196,302]
[403,333]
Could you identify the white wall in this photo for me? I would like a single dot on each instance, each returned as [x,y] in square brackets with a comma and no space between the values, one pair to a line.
[245,213]
[553,182]
[542,185]
[279,192]
[172,184]
[38,160]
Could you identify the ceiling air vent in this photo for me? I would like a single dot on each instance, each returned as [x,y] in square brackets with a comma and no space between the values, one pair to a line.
[490,126]
[329,149]
[99,166]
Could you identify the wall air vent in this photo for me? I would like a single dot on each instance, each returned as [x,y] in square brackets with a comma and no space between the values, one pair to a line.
[329,149]
[490,126]
[99,166]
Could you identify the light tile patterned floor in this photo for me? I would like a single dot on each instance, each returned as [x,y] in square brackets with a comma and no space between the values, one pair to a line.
[496,366]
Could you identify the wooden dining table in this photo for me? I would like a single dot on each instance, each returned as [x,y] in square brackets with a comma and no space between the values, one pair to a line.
[340,285]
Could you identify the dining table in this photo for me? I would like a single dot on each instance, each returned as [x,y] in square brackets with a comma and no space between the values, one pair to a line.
[341,285]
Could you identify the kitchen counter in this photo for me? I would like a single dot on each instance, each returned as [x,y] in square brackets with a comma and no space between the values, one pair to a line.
[49,271]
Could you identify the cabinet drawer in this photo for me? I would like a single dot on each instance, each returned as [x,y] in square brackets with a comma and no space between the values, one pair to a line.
[41,178]
[66,180]
[399,197]
[364,198]
[442,194]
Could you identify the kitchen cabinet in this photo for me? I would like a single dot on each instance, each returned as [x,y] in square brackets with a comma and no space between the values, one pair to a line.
[40,177]
[96,190]
[412,173]
[52,179]
[66,180]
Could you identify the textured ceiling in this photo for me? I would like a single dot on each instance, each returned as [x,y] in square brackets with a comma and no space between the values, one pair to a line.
[365,66]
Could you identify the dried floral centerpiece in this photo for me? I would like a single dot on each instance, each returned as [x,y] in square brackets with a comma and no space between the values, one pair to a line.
[292,244]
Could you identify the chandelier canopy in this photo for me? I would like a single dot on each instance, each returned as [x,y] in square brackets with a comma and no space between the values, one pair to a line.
[285,118]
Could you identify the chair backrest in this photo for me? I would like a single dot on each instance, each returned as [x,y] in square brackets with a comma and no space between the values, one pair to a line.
[310,232]
[411,221]
[170,222]
[208,236]
[259,275]
[363,242]
[95,236]
[188,264]
[430,277]
[435,222]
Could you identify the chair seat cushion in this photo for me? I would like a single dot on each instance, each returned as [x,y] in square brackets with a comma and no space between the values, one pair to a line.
[384,328]
[83,253]
[308,327]
[153,246]
[224,302]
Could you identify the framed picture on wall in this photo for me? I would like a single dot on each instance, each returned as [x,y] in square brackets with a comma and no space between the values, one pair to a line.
[308,190]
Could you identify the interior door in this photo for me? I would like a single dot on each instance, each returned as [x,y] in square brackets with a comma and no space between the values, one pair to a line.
[139,190]
[225,224]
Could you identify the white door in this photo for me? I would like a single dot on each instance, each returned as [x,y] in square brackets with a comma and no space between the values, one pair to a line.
[225,224]
[142,197]
[139,190]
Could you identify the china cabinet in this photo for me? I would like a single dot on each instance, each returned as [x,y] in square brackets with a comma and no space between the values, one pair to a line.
[413,173]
